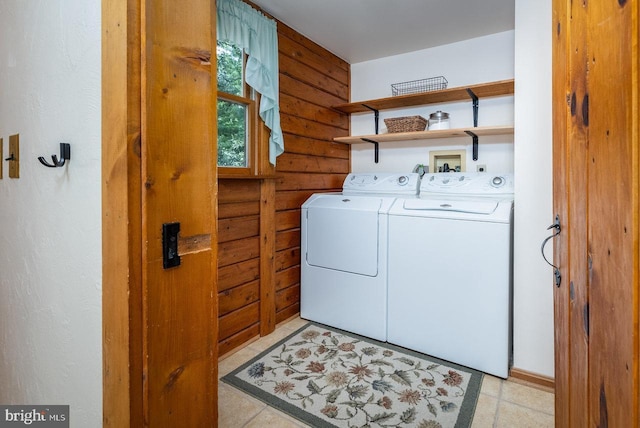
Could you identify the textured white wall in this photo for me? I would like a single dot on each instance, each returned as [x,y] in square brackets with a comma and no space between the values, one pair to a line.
[50,219]
[480,60]
[533,300]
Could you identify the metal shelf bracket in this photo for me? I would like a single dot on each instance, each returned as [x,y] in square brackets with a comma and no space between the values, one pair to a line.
[475,144]
[375,148]
[376,116]
[376,119]
[476,102]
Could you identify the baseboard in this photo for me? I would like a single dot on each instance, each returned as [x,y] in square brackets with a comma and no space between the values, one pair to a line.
[292,317]
[253,339]
[238,348]
[532,379]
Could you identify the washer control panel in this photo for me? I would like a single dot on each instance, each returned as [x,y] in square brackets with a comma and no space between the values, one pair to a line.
[383,182]
[462,183]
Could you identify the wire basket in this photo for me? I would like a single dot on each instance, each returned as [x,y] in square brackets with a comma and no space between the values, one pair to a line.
[418,86]
[406,124]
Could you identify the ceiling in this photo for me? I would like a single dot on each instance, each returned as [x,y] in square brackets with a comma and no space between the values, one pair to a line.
[362,30]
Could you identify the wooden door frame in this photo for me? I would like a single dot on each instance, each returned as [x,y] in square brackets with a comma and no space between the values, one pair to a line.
[115,215]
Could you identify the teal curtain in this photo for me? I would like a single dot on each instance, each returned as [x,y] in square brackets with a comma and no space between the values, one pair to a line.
[247,28]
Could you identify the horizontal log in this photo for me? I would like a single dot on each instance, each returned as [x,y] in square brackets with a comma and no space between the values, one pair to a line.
[231,190]
[237,251]
[304,109]
[286,220]
[230,343]
[298,181]
[298,89]
[302,72]
[314,147]
[312,58]
[291,200]
[287,239]
[238,209]
[238,273]
[287,277]
[289,162]
[287,313]
[231,229]
[238,297]
[287,297]
[307,128]
[236,321]
[329,57]
[287,258]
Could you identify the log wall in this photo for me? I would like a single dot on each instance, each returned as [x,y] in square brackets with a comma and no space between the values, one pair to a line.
[238,262]
[258,282]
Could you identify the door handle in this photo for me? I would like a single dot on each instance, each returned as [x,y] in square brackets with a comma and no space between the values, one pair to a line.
[556,231]
[170,257]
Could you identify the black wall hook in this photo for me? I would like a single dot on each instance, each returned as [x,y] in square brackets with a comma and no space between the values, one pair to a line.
[65,155]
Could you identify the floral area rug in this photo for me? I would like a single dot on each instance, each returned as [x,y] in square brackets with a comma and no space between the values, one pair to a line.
[330,378]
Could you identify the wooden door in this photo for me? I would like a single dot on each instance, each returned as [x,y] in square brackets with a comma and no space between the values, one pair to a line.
[159,166]
[595,92]
[179,312]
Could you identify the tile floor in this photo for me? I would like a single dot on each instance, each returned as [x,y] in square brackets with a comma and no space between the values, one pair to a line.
[502,404]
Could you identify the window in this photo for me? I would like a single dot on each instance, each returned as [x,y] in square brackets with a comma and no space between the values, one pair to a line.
[236,112]
[250,47]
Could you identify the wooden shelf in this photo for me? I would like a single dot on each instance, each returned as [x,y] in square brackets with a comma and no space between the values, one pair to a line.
[483,90]
[466,93]
[427,135]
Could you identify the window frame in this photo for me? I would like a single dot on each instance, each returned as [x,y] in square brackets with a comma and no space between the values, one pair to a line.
[250,137]
[257,148]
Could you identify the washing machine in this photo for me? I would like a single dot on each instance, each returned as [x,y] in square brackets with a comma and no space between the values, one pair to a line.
[451,270]
[344,252]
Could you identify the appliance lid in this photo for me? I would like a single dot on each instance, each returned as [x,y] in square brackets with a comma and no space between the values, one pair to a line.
[462,206]
[445,207]
[346,202]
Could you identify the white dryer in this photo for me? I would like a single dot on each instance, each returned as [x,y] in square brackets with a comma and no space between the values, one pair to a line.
[450,270]
[344,252]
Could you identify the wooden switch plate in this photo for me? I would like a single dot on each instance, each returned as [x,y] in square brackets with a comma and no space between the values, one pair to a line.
[14,151]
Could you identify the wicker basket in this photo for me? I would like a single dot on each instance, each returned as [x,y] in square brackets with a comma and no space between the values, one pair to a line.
[406,124]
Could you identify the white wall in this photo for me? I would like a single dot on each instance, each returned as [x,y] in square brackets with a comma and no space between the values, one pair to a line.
[534,193]
[526,55]
[480,60]
[50,219]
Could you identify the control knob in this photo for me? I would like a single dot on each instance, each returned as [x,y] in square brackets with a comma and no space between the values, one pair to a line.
[497,181]
[403,180]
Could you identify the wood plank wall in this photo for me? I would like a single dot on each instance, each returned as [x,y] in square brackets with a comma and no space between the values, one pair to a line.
[311,81]
[238,262]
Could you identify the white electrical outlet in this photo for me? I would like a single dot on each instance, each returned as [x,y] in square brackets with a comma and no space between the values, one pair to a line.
[481,168]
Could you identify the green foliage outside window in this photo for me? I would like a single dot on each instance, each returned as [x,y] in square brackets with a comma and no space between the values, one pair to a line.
[232,116]
[230,69]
